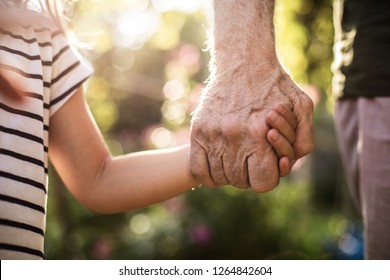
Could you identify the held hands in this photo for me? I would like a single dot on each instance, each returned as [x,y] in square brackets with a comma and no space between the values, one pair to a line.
[231,139]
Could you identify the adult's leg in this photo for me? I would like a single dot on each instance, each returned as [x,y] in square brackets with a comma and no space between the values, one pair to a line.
[347,128]
[374,167]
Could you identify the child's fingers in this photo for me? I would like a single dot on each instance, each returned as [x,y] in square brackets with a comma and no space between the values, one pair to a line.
[287,114]
[280,144]
[284,166]
[279,123]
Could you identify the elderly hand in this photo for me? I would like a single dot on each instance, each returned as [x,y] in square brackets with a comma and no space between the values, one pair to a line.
[230,126]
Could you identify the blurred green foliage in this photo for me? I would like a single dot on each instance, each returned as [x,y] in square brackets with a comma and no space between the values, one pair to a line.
[150,65]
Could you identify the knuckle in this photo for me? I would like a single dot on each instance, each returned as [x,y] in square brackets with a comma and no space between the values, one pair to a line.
[231,127]
[310,148]
[307,103]
[196,173]
[281,109]
[305,150]
[198,167]
[210,129]
[237,175]
[197,129]
[284,107]
[258,130]
[195,167]
[272,117]
[240,185]
[214,127]
[218,178]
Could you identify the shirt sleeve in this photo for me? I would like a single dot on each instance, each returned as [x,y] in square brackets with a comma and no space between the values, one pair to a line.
[69,71]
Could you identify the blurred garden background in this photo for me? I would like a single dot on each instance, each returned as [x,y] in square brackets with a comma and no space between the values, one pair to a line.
[150,63]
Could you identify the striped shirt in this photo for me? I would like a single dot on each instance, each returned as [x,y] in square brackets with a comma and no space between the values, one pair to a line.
[38,59]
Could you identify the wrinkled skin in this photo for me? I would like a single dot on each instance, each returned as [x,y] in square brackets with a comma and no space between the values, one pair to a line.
[229,130]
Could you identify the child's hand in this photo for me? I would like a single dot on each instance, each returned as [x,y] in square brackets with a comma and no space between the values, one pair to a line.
[282,136]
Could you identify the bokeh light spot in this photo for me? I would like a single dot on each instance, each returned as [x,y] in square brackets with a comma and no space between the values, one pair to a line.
[174,90]
[140,224]
[161,137]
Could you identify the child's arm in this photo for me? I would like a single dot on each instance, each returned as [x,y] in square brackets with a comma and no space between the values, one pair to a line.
[107,184]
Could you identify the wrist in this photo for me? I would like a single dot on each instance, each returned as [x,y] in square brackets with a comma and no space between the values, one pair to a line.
[236,76]
[185,155]
[250,68]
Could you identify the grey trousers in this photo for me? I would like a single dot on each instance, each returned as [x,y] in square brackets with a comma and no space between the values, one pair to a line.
[363,129]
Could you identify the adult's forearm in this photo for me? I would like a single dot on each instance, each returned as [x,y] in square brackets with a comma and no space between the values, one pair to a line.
[242,34]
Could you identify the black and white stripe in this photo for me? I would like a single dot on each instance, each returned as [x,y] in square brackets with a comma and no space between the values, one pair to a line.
[49,72]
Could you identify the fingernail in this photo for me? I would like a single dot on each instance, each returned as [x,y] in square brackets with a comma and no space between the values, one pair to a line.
[274,135]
